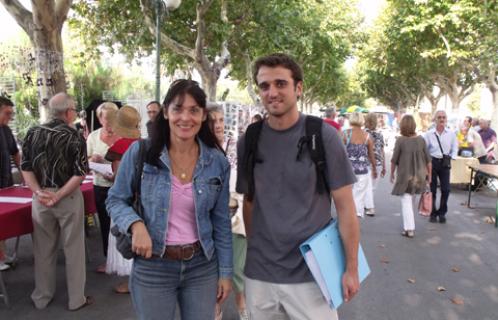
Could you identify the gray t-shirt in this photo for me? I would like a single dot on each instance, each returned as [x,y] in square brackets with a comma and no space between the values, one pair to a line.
[287,208]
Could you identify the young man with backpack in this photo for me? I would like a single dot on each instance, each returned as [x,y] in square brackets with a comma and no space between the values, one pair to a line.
[289,171]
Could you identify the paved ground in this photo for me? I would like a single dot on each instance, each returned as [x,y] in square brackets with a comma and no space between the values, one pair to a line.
[466,244]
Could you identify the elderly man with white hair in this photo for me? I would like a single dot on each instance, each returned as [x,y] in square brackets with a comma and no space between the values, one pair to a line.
[442,144]
[54,163]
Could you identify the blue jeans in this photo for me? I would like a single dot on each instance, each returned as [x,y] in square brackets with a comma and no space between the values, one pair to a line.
[157,284]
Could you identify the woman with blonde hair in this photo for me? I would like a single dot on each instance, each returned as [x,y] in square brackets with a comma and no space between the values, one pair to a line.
[412,164]
[97,144]
[360,150]
[125,124]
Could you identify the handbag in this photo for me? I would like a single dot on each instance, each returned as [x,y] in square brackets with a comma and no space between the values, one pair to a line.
[123,240]
[446,160]
[425,203]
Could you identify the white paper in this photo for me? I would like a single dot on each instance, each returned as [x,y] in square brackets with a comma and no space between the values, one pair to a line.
[317,274]
[102,168]
[15,200]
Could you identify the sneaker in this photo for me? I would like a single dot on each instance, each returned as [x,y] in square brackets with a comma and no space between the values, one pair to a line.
[218,312]
[408,233]
[442,219]
[4,266]
[370,212]
[433,219]
[243,315]
[9,260]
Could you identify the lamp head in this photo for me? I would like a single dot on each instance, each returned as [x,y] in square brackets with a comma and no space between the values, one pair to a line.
[172,4]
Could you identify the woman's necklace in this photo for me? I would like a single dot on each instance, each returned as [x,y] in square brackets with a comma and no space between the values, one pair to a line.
[186,171]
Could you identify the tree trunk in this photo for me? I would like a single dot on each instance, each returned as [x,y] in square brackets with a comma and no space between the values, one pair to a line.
[492,85]
[44,26]
[455,100]
[49,67]
[494,113]
[455,92]
[209,81]
[250,87]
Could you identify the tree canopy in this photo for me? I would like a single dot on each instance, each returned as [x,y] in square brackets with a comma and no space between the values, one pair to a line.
[209,35]
[419,44]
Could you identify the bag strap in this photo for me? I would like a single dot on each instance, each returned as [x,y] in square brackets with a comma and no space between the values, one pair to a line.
[313,139]
[439,142]
[313,129]
[250,155]
[227,145]
[137,178]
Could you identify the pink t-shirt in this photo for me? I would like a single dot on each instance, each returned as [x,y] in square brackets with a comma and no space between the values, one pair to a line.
[182,227]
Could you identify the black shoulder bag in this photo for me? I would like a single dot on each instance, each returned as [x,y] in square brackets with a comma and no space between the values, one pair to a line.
[123,240]
[446,161]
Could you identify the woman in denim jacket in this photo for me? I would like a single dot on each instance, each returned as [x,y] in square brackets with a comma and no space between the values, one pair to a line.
[183,244]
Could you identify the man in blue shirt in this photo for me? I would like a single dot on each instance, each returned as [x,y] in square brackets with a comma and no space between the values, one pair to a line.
[441,142]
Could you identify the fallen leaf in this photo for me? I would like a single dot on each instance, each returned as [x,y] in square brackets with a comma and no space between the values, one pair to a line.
[384,260]
[411,280]
[457,300]
[381,246]
[441,288]
[455,269]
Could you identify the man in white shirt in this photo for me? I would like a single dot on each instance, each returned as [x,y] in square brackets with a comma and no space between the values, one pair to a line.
[441,142]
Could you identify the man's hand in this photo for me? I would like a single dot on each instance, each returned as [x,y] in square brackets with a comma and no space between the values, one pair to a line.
[141,243]
[350,285]
[47,198]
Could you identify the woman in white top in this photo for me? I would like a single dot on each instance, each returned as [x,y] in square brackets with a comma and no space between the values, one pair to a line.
[97,144]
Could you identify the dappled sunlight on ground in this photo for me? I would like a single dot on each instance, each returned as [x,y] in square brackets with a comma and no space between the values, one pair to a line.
[492,292]
[476,259]
[433,240]
[466,235]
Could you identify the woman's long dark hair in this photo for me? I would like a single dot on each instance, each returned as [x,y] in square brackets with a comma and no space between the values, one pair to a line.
[160,135]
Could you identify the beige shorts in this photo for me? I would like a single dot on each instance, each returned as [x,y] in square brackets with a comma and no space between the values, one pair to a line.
[273,301]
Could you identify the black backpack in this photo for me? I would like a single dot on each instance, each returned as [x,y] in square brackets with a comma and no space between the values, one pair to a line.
[313,140]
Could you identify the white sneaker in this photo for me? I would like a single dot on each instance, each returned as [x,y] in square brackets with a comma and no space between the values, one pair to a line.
[243,315]
[218,313]
[9,259]
[4,266]
[370,212]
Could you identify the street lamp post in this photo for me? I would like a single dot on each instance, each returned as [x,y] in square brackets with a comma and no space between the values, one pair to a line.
[168,5]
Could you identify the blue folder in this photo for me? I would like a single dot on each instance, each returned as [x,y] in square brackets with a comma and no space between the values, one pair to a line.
[324,254]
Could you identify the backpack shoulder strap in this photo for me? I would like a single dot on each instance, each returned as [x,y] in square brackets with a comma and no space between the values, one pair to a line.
[250,154]
[313,129]
[137,178]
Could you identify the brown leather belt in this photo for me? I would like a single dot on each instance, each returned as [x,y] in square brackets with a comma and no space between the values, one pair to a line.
[182,252]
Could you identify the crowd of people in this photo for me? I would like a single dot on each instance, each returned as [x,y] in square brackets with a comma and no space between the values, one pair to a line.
[217,214]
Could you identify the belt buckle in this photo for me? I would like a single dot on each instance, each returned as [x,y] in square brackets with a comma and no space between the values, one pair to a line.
[188,246]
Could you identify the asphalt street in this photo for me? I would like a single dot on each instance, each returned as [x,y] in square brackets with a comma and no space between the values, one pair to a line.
[447,272]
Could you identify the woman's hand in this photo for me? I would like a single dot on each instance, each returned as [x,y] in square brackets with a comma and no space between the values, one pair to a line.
[224,289]
[109,177]
[96,158]
[141,243]
[391,178]
[374,174]
[383,172]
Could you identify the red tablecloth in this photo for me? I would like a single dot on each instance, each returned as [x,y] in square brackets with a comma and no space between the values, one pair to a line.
[15,218]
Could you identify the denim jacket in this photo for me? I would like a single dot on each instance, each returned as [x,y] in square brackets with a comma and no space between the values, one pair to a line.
[210,185]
